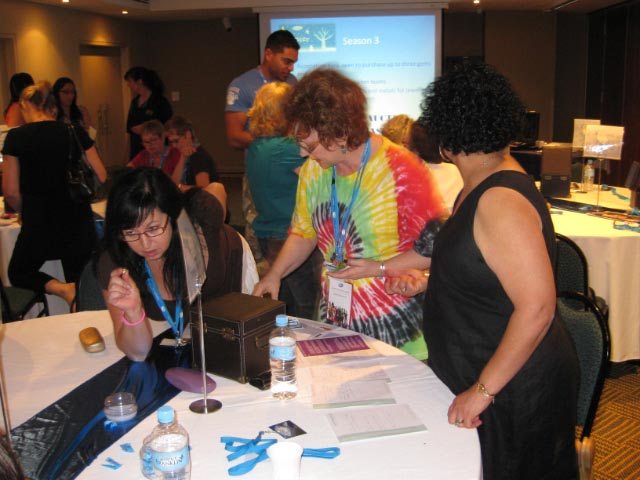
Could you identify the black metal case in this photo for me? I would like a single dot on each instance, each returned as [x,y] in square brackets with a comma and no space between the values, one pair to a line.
[236,334]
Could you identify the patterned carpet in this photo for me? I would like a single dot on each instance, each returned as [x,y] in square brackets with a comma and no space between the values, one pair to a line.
[616,430]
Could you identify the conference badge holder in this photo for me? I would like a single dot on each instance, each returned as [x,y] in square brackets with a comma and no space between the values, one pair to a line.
[339,302]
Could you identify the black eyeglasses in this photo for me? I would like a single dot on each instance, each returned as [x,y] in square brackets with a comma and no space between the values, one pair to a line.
[131,236]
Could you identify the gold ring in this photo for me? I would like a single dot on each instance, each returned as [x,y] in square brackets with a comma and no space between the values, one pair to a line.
[458,422]
[124,272]
[403,289]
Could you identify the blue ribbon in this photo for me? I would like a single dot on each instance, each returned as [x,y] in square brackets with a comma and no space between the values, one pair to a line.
[614,191]
[177,323]
[245,446]
[340,225]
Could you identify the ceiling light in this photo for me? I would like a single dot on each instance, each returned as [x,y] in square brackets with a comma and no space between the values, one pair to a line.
[125,12]
[65,1]
[476,2]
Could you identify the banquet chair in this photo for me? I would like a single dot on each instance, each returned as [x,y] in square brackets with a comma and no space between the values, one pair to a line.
[17,302]
[88,292]
[572,274]
[590,334]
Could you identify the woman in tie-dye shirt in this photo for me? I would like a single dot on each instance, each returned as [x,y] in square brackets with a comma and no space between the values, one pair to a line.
[385,199]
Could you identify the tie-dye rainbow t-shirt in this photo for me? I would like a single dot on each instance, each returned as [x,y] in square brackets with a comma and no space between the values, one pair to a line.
[397,198]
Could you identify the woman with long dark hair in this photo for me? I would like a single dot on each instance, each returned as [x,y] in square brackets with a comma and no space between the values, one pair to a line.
[34,181]
[64,91]
[148,103]
[13,114]
[141,267]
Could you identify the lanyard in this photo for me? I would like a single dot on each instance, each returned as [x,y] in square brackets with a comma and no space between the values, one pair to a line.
[163,157]
[177,324]
[340,227]
[244,446]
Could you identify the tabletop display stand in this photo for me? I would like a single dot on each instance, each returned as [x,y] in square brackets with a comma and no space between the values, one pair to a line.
[195,273]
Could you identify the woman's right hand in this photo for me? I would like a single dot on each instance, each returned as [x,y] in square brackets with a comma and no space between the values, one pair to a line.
[268,284]
[123,293]
[409,283]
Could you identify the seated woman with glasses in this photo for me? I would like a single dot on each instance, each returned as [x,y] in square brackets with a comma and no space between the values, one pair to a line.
[156,153]
[141,267]
[197,168]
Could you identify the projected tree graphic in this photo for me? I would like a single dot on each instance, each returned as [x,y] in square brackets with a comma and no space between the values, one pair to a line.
[323,35]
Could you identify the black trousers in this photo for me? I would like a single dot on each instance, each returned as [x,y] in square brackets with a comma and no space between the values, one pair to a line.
[33,249]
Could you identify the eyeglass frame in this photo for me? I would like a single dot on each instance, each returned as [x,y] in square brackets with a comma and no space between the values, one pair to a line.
[161,230]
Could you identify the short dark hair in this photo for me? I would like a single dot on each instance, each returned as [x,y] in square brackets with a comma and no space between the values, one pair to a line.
[133,197]
[472,109]
[330,103]
[180,124]
[281,39]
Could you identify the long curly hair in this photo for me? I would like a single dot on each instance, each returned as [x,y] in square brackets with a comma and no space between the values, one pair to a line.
[335,106]
[472,109]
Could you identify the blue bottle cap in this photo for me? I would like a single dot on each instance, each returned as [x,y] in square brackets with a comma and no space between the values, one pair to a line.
[165,414]
[282,320]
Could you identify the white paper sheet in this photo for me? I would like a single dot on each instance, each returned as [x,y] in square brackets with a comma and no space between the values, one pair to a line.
[333,395]
[373,422]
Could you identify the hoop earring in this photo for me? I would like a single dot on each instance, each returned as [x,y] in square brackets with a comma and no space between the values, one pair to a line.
[442,155]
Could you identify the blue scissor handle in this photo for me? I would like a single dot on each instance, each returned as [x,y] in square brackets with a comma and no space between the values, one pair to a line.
[331,452]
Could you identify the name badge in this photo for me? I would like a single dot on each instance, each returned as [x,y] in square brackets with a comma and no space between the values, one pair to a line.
[339,302]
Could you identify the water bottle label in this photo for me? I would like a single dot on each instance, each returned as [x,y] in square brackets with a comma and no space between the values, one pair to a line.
[282,352]
[171,461]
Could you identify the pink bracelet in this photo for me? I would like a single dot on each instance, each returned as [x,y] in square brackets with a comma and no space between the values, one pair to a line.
[124,319]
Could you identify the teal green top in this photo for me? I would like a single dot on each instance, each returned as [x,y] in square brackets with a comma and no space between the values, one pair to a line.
[271,162]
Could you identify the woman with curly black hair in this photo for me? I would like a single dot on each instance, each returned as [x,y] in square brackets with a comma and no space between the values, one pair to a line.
[489,314]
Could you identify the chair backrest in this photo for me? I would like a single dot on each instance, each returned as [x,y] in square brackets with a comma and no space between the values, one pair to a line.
[88,291]
[590,334]
[571,270]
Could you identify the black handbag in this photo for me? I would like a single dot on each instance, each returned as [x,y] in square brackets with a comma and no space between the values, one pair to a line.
[81,180]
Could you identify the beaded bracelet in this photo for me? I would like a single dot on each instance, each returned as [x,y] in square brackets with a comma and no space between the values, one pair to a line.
[124,319]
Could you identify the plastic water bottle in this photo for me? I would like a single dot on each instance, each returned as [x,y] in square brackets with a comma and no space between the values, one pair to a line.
[165,452]
[282,352]
[588,174]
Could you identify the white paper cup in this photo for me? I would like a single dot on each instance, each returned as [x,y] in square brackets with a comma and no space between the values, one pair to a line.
[285,457]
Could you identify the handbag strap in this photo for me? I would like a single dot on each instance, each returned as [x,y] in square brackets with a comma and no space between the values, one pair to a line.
[73,137]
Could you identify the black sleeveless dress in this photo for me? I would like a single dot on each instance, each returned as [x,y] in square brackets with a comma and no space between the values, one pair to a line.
[528,433]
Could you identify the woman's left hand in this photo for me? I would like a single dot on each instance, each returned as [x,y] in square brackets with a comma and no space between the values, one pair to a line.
[466,408]
[358,268]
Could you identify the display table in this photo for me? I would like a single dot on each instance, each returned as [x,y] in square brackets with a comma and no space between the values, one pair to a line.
[41,367]
[614,267]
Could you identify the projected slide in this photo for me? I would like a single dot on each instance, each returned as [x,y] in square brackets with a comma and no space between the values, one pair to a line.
[393,57]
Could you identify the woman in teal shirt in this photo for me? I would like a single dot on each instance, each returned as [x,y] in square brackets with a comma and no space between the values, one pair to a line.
[273,160]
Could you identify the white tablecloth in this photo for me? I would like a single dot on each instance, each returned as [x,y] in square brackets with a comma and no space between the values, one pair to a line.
[41,367]
[614,268]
